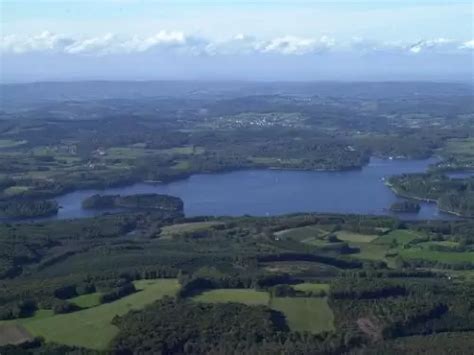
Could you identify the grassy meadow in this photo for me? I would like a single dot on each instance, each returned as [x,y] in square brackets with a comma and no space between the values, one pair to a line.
[311,314]
[305,314]
[245,296]
[91,328]
[177,229]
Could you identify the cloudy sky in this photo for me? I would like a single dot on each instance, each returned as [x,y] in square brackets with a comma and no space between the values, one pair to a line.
[236,39]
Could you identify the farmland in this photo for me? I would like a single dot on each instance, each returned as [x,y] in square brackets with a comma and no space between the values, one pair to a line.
[435,256]
[461,149]
[183,228]
[248,297]
[310,314]
[356,237]
[311,287]
[407,244]
[305,314]
[92,328]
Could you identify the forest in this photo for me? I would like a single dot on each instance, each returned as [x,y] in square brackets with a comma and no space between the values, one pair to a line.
[137,201]
[392,281]
[451,194]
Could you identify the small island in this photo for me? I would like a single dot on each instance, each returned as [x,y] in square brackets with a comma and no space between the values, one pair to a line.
[28,208]
[405,207]
[138,201]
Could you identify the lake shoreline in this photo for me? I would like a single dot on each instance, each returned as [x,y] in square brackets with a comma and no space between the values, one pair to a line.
[265,192]
[427,200]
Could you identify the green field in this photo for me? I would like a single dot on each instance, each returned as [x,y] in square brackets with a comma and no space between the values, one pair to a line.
[39,314]
[138,151]
[176,229]
[379,246]
[311,235]
[8,143]
[401,237]
[186,150]
[129,153]
[86,301]
[370,251]
[314,235]
[371,246]
[309,314]
[15,190]
[92,328]
[398,242]
[302,313]
[245,296]
[443,257]
[182,165]
[356,237]
[442,243]
[303,234]
[461,148]
[311,287]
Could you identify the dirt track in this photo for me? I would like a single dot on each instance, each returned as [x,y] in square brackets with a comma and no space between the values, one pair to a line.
[13,334]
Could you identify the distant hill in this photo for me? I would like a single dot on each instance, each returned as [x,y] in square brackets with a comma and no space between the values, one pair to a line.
[16,95]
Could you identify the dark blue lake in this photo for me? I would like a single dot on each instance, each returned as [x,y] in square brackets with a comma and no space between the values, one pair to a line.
[460,174]
[274,192]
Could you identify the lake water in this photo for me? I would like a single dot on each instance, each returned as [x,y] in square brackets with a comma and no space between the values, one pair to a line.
[460,174]
[274,192]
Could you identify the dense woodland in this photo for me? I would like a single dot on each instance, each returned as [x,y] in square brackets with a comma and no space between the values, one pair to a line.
[28,208]
[372,301]
[451,194]
[140,201]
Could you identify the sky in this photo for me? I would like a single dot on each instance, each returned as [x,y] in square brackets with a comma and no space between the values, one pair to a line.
[296,40]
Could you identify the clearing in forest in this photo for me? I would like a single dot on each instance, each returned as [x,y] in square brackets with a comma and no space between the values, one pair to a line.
[311,314]
[92,328]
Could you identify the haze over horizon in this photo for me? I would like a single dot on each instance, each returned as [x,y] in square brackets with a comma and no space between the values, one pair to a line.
[236,40]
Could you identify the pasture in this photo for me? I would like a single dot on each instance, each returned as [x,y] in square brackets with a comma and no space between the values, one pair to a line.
[15,190]
[91,328]
[245,296]
[370,251]
[309,314]
[8,143]
[86,301]
[462,148]
[441,256]
[182,228]
[399,236]
[347,236]
[311,287]
[303,234]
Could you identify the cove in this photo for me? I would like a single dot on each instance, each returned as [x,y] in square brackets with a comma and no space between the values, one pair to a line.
[275,192]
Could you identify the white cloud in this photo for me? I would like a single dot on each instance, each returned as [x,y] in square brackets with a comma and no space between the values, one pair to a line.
[438,43]
[45,41]
[99,45]
[239,44]
[162,38]
[468,44]
[297,45]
